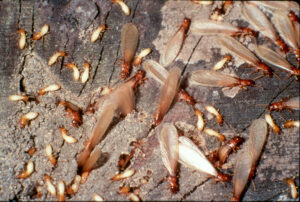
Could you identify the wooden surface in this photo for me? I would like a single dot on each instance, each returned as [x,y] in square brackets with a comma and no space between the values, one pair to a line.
[71,24]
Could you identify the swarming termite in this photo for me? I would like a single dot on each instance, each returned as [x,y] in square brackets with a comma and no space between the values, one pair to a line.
[191,156]
[50,88]
[22,39]
[86,72]
[226,149]
[42,33]
[215,112]
[74,112]
[285,103]
[276,59]
[168,141]
[49,153]
[123,175]
[289,124]
[210,27]
[168,92]
[61,189]
[175,44]
[50,187]
[129,41]
[54,57]
[271,123]
[28,171]
[76,73]
[200,120]
[27,117]
[123,6]
[97,33]
[216,79]
[66,136]
[221,63]
[261,23]
[244,53]
[247,159]
[212,132]
[291,184]
[138,59]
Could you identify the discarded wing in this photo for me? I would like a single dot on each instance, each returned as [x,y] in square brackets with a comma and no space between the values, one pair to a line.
[174,45]
[156,71]
[278,5]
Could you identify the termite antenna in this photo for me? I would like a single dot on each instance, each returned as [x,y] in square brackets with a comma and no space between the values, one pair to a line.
[258,77]
[276,75]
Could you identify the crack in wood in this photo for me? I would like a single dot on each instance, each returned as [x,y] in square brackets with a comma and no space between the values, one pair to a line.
[194,189]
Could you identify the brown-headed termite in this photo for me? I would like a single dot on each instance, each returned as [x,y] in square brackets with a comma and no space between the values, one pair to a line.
[285,103]
[271,123]
[129,41]
[86,72]
[244,53]
[50,187]
[214,111]
[61,190]
[22,39]
[227,148]
[126,174]
[50,88]
[74,112]
[200,120]
[49,153]
[292,185]
[43,32]
[97,33]
[76,73]
[214,133]
[27,118]
[138,59]
[66,136]
[123,6]
[168,141]
[290,123]
[220,64]
[175,44]
[28,171]
[24,98]
[54,57]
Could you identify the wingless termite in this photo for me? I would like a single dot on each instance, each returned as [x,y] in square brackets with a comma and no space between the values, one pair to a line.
[50,187]
[247,159]
[244,53]
[55,56]
[168,141]
[74,112]
[290,123]
[97,33]
[86,72]
[76,72]
[129,41]
[64,133]
[291,184]
[26,118]
[212,132]
[271,123]
[123,6]
[61,189]
[138,59]
[174,45]
[49,153]
[43,32]
[28,171]
[221,63]
[22,39]
[50,88]
[285,103]
[215,112]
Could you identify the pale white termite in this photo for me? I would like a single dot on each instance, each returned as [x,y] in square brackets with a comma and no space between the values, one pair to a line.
[22,39]
[212,132]
[138,59]
[200,120]
[28,171]
[294,192]
[42,33]
[54,57]
[18,98]
[61,189]
[220,64]
[86,72]
[175,44]
[27,117]
[76,73]
[271,123]
[50,187]
[50,88]
[123,6]
[215,112]
[66,136]
[289,124]
[98,197]
[49,153]
[97,33]
[126,174]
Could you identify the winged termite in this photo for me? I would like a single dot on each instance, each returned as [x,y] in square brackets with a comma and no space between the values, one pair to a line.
[167,94]
[276,59]
[244,53]
[211,27]
[191,156]
[226,149]
[168,141]
[285,103]
[74,112]
[262,24]
[129,41]
[174,45]
[216,79]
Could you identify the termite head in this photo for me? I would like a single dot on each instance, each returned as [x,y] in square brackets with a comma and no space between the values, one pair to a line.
[275,106]
[186,24]
[235,198]
[293,16]
[296,71]
[248,31]
[247,82]
[173,184]
[283,47]
[265,69]
[183,95]
[235,141]
[221,177]
[157,118]
[126,67]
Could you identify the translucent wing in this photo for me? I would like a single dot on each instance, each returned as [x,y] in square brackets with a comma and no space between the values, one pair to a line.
[129,41]
[156,71]
[293,103]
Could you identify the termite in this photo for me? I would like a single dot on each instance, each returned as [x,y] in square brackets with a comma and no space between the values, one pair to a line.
[221,63]
[276,59]
[54,57]
[291,184]
[138,59]
[167,94]
[42,33]
[211,27]
[174,45]
[285,103]
[74,186]
[212,132]
[28,171]
[50,187]
[244,53]
[133,197]
[215,112]
[49,153]
[76,73]
[129,41]
[86,72]
[66,136]
[98,197]
[24,98]
[123,6]
[191,156]
[261,23]
[168,141]
[226,149]
[277,5]
[74,112]
[123,175]
[22,39]
[203,2]
[27,117]
[97,33]
[216,79]
[31,151]
[293,17]
[289,124]
[218,13]
[61,189]
[272,124]
[50,88]
[200,120]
